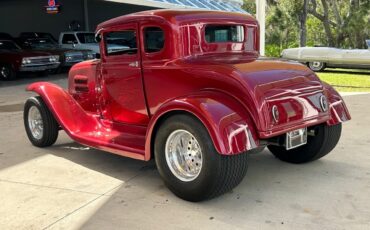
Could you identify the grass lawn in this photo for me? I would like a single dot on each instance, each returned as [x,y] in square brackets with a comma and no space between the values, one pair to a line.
[347,80]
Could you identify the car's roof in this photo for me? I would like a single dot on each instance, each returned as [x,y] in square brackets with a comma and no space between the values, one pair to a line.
[178,16]
[34,33]
[5,36]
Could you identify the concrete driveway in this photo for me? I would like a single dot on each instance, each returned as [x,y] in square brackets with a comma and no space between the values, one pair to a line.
[69,186]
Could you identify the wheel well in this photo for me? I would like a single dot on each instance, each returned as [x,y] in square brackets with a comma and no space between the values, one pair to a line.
[160,121]
[8,64]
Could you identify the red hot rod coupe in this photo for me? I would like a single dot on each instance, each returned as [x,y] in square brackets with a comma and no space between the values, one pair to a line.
[187,89]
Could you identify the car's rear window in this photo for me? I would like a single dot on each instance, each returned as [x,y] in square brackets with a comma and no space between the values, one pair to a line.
[86,37]
[224,33]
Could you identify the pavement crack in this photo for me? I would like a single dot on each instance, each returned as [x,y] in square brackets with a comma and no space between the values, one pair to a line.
[81,207]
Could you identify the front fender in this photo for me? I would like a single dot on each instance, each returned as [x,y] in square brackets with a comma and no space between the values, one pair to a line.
[228,123]
[338,109]
[65,109]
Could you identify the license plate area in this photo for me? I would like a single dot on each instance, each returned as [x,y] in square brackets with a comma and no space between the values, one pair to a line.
[296,138]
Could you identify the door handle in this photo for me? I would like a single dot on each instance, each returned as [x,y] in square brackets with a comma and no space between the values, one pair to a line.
[134,64]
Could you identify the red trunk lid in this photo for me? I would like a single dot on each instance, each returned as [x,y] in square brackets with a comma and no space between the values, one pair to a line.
[292,88]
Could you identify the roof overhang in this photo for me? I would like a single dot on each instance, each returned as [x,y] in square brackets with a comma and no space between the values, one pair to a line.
[224,5]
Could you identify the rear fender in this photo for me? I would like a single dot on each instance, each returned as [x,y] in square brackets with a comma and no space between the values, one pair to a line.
[229,125]
[338,109]
[69,114]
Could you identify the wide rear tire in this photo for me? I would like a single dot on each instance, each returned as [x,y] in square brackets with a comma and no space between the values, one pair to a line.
[217,174]
[325,139]
[41,127]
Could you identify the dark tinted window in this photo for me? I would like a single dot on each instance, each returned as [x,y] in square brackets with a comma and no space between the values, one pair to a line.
[121,42]
[39,43]
[38,35]
[86,37]
[224,33]
[69,39]
[154,39]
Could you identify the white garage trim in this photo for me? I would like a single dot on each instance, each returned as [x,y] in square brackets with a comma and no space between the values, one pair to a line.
[261,17]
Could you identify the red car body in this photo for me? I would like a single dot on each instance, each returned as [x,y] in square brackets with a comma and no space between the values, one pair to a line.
[117,103]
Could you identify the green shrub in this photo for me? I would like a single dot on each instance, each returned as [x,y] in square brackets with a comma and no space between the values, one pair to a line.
[272,50]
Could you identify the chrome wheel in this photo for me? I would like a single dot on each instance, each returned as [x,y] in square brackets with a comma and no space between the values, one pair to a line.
[316,66]
[35,122]
[183,155]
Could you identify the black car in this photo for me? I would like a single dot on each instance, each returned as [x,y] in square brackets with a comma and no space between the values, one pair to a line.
[67,57]
[6,36]
[37,35]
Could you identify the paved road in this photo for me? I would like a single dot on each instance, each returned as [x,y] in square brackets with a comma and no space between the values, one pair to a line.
[68,186]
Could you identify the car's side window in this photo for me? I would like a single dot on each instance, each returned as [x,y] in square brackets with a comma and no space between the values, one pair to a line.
[121,42]
[69,39]
[154,39]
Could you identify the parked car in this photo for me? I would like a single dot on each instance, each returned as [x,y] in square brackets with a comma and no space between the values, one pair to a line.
[68,57]
[38,35]
[319,58]
[13,59]
[78,40]
[5,36]
[86,40]
[192,94]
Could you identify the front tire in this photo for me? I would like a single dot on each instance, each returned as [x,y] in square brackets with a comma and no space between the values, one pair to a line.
[325,139]
[41,127]
[7,73]
[317,66]
[190,165]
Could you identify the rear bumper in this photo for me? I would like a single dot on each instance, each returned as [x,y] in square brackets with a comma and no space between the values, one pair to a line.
[38,67]
[276,131]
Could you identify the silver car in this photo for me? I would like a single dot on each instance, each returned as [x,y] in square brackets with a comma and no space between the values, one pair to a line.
[319,58]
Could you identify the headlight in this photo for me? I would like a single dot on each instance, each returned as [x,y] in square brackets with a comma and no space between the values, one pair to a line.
[26,61]
[90,55]
[54,58]
[69,58]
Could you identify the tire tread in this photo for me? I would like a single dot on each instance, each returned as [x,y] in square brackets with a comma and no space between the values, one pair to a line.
[316,148]
[51,126]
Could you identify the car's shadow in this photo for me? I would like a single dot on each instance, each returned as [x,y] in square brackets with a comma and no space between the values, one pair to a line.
[264,169]
[27,78]
[343,71]
[267,183]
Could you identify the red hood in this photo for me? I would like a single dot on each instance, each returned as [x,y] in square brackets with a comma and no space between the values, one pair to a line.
[292,87]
